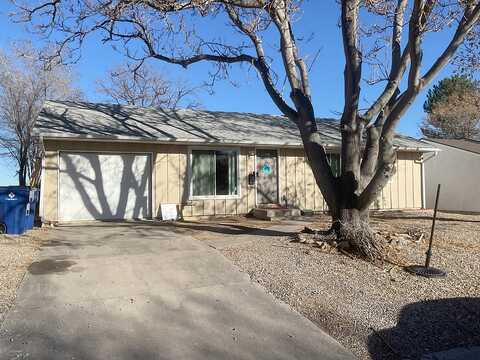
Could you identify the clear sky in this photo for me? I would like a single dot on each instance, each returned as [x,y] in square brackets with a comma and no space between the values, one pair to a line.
[320,18]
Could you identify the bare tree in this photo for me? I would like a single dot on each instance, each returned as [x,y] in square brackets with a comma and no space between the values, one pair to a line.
[371,30]
[467,59]
[25,83]
[145,87]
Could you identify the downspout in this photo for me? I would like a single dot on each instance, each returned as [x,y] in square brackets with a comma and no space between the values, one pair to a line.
[42,182]
[422,165]
[424,200]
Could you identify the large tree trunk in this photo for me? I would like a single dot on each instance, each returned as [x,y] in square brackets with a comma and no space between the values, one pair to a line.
[22,173]
[350,218]
[22,178]
[342,217]
[353,227]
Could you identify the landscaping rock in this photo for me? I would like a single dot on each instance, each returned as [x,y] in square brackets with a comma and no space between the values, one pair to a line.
[306,238]
[353,296]
[16,254]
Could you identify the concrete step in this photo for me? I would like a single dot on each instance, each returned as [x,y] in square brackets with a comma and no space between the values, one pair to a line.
[276,213]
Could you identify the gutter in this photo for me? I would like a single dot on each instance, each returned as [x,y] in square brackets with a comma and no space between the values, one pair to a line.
[180,141]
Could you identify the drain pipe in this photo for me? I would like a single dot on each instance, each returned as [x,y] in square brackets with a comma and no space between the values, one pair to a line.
[422,162]
[41,205]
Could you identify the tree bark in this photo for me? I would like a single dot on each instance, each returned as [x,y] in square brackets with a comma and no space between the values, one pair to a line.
[313,147]
[348,217]
[22,178]
[349,222]
[352,227]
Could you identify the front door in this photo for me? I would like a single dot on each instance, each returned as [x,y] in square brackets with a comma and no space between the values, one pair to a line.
[267,179]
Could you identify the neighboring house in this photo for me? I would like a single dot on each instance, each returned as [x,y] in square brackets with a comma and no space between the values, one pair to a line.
[457,168]
[118,162]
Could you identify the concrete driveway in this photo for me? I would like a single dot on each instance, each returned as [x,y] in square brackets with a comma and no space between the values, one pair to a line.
[140,291]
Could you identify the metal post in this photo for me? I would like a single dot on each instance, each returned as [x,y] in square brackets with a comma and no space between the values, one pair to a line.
[429,251]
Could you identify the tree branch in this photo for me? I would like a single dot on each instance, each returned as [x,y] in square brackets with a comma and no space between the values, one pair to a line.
[399,63]
[261,64]
[353,63]
[279,15]
[385,167]
[469,20]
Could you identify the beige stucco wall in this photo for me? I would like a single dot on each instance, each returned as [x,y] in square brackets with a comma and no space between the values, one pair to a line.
[404,190]
[458,172]
[171,184]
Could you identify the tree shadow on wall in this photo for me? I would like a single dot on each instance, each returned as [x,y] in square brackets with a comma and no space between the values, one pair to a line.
[107,203]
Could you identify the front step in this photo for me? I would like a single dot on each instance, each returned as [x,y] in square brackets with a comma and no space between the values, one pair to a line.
[276,213]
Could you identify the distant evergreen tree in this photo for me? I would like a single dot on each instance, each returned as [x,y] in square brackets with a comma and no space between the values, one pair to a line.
[452,109]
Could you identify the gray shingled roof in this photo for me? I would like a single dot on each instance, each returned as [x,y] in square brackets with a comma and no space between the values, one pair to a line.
[463,144]
[108,121]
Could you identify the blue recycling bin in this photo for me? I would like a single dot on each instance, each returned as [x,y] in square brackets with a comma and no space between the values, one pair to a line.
[31,209]
[14,201]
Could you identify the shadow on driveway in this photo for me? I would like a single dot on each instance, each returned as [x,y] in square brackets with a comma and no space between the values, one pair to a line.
[145,292]
[429,326]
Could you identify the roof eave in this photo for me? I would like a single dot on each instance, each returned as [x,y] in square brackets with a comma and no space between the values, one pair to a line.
[450,146]
[180,141]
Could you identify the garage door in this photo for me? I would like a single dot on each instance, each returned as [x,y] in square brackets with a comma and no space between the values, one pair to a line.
[104,186]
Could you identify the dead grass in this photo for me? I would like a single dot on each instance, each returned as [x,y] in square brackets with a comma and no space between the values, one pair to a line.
[379,311]
[16,254]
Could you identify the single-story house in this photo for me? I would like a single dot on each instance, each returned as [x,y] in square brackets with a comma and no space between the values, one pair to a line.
[104,161]
[457,168]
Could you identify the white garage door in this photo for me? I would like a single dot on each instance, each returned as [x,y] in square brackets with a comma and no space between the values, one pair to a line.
[104,186]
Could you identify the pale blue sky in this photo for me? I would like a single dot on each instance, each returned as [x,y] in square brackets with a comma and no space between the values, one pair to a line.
[319,18]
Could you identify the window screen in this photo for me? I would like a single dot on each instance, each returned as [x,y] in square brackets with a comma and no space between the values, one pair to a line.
[334,161]
[214,172]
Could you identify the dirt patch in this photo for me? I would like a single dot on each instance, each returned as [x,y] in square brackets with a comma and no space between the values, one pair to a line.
[379,312]
[16,255]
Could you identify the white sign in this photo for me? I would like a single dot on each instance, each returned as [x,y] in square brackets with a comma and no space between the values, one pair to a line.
[169,211]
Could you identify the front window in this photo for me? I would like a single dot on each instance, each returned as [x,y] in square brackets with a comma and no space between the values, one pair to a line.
[334,161]
[214,172]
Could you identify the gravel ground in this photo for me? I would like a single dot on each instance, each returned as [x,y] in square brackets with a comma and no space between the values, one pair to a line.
[379,312]
[16,254]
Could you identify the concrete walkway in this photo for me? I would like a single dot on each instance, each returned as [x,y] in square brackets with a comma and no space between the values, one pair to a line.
[139,291]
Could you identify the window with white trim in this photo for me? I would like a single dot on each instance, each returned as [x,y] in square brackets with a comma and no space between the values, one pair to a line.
[214,173]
